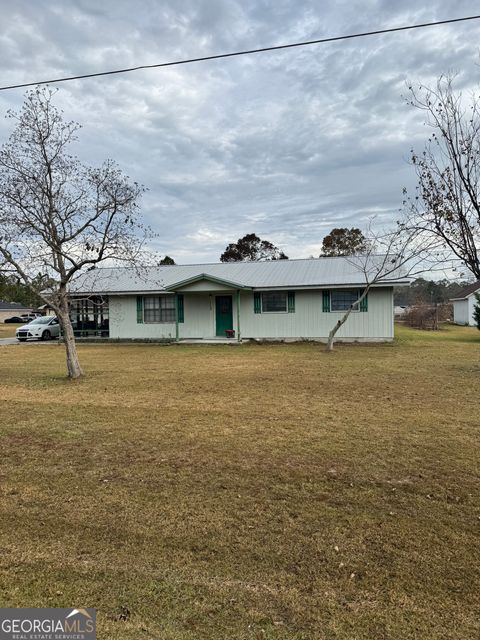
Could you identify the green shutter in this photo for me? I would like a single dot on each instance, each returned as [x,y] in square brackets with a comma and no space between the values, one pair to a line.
[139,310]
[180,312]
[257,302]
[291,302]
[325,301]
[364,302]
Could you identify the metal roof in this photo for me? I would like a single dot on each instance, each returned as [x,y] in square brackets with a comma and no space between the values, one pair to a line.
[311,273]
[465,293]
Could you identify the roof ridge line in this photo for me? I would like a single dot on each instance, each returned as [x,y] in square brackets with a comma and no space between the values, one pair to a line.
[243,262]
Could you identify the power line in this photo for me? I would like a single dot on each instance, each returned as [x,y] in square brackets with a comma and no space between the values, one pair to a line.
[241,53]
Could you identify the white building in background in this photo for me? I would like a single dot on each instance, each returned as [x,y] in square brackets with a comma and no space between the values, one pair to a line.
[464,304]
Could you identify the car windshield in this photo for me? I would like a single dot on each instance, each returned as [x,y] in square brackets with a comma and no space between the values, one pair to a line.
[44,320]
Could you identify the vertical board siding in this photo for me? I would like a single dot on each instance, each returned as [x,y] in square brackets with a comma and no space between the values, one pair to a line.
[461,313]
[308,320]
[472,301]
[311,321]
[124,315]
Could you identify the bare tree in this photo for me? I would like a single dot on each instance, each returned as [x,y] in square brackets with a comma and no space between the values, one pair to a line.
[59,217]
[400,253]
[447,203]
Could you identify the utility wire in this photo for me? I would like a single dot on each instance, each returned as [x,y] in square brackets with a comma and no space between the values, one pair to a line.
[241,53]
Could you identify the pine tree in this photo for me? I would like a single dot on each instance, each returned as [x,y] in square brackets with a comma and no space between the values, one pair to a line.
[476,311]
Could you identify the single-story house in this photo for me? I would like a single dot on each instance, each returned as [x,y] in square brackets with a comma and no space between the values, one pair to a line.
[464,303]
[277,300]
[10,309]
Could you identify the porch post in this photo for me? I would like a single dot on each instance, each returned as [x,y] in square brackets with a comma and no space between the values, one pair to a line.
[238,315]
[177,336]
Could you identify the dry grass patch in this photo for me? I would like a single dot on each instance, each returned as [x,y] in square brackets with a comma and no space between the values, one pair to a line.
[8,330]
[248,492]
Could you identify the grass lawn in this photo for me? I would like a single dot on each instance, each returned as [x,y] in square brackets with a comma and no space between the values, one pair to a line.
[8,330]
[273,492]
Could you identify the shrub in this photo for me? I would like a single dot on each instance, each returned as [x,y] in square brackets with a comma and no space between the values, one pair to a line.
[428,316]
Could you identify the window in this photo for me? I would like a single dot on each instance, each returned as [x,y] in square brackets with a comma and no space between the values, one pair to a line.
[274,302]
[90,315]
[342,299]
[159,309]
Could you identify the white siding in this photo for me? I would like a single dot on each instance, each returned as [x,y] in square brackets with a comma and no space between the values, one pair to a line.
[472,301]
[204,286]
[123,321]
[199,315]
[307,322]
[460,312]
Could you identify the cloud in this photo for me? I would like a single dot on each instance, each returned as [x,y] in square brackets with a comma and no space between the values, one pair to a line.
[286,144]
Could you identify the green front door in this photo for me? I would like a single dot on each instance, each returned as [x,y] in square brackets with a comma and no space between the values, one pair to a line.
[223,315]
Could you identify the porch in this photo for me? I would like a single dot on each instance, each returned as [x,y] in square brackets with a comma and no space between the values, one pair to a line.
[208,316]
[203,309]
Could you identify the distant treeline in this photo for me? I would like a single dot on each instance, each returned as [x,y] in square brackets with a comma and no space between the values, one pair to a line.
[427,291]
[12,290]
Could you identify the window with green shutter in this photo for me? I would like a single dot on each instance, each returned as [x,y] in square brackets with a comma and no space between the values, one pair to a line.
[158,309]
[257,302]
[291,302]
[180,308]
[274,302]
[344,299]
[326,301]
[139,310]
[364,302]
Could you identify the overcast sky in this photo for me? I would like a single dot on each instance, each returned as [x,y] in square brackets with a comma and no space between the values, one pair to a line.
[286,144]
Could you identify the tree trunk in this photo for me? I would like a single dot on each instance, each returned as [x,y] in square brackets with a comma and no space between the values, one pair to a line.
[344,318]
[73,364]
[338,324]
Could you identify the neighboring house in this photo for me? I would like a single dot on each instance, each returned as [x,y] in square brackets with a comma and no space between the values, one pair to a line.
[277,300]
[464,303]
[45,310]
[9,309]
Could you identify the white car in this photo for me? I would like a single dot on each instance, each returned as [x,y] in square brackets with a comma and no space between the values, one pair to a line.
[43,328]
